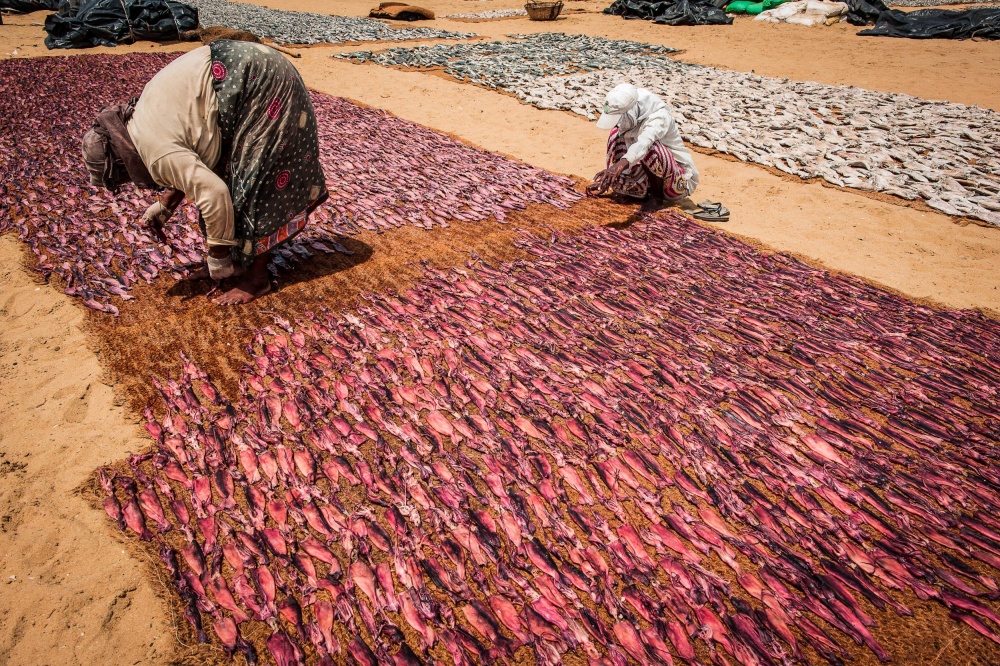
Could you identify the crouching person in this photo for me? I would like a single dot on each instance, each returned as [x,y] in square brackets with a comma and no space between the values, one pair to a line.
[646,158]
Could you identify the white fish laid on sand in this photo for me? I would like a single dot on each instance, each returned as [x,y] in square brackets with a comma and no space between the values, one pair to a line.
[944,153]
[491,14]
[286,27]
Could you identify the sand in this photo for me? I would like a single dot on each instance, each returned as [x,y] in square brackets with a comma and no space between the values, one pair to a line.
[78,594]
[70,592]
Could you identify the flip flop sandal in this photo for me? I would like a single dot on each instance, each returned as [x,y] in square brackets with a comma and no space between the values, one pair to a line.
[710,211]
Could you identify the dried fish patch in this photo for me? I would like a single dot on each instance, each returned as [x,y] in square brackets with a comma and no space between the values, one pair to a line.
[490,14]
[286,27]
[557,458]
[946,154]
[404,174]
[514,64]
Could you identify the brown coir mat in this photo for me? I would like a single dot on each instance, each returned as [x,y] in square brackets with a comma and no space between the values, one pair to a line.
[168,317]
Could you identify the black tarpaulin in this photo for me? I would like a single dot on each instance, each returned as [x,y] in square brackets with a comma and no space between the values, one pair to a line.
[671,12]
[864,12]
[113,22]
[28,6]
[980,23]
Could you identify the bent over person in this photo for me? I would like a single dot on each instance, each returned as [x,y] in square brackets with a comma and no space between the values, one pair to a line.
[646,158]
[231,128]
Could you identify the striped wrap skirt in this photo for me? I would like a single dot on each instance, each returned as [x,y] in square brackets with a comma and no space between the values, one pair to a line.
[635,181]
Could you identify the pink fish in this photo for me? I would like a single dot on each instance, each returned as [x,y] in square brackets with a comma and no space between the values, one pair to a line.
[821,447]
[316,520]
[528,428]
[284,651]
[507,614]
[149,502]
[275,542]
[135,520]
[265,583]
[225,629]
[412,617]
[208,528]
[306,465]
[440,423]
[225,487]
[540,557]
[269,465]
[341,425]
[538,626]
[383,574]
[482,621]
[362,653]
[114,510]
[324,620]
[272,409]
[248,461]
[679,639]
[575,482]
[220,592]
[544,608]
[362,576]
[194,557]
[655,646]
[639,466]
[629,639]
[290,410]
[635,548]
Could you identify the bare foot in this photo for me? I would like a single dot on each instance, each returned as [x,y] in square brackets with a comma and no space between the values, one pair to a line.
[201,273]
[253,284]
[238,295]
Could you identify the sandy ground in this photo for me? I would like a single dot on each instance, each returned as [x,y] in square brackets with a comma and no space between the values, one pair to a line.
[70,593]
[76,597]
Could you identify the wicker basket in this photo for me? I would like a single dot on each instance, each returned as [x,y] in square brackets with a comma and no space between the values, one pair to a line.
[543,11]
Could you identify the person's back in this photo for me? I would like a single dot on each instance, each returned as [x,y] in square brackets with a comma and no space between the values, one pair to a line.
[179,111]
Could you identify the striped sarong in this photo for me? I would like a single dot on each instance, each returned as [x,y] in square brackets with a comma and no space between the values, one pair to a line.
[634,181]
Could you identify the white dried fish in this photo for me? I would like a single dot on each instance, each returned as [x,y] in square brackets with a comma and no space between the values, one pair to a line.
[491,14]
[909,147]
[307,28]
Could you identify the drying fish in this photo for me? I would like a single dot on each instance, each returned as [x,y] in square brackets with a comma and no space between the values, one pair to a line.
[941,153]
[368,517]
[286,27]
[490,14]
[93,240]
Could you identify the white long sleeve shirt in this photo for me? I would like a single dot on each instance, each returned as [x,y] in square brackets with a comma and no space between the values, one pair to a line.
[649,122]
[175,130]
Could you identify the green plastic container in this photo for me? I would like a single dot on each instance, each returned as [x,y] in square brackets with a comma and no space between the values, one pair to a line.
[752,8]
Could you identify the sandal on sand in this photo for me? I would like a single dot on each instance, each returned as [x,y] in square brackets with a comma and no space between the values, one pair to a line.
[710,211]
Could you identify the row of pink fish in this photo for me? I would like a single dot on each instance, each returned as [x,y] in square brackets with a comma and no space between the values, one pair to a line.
[650,445]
